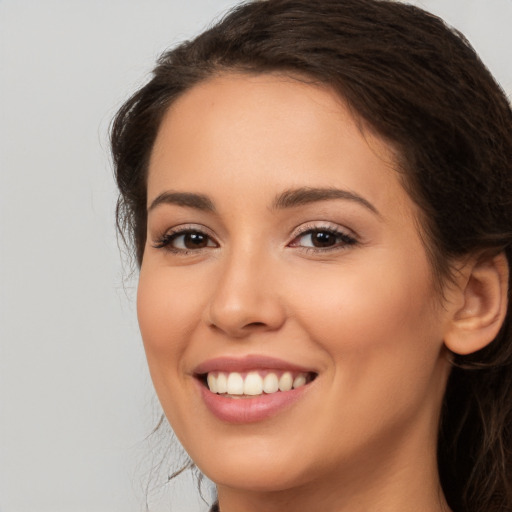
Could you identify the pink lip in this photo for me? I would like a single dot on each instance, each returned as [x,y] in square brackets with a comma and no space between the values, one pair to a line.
[247,363]
[254,409]
[249,410]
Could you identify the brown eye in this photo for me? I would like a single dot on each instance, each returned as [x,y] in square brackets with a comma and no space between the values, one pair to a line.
[190,240]
[194,240]
[323,239]
[185,241]
[318,239]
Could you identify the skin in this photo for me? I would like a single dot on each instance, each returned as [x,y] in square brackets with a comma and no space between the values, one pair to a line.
[365,316]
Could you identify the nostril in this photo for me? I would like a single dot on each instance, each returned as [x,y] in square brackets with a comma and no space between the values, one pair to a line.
[256,324]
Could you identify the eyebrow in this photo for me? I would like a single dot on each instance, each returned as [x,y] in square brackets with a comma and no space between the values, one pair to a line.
[188,199]
[306,195]
[288,199]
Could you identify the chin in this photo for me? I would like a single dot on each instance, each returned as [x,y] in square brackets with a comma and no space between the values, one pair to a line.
[255,476]
[255,463]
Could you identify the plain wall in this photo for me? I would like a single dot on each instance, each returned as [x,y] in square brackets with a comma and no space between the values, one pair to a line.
[75,397]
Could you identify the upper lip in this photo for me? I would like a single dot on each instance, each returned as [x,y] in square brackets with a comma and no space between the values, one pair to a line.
[247,363]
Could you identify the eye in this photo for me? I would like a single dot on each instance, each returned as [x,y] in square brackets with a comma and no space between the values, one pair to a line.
[191,240]
[322,239]
[185,241]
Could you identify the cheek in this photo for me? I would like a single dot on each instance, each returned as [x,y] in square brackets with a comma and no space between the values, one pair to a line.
[380,329]
[342,302]
[167,311]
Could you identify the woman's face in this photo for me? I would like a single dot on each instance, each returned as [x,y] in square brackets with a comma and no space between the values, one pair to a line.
[283,250]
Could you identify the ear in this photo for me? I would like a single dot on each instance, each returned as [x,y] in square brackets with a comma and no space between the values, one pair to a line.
[480,305]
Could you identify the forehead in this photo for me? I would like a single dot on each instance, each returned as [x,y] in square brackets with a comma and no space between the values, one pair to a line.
[267,132]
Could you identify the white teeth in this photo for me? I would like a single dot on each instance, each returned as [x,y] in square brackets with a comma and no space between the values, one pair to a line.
[270,383]
[299,381]
[212,383]
[253,384]
[235,384]
[286,382]
[222,383]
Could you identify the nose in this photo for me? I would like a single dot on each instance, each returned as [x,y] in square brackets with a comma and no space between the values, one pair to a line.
[246,298]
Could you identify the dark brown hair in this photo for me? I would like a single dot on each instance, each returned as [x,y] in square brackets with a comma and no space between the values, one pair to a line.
[420,85]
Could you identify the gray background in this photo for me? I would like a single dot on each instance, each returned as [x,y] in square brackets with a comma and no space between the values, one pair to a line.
[75,398]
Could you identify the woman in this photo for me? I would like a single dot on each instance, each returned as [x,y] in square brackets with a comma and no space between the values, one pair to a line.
[318,196]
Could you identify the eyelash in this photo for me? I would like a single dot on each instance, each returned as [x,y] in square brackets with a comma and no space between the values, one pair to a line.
[166,240]
[343,239]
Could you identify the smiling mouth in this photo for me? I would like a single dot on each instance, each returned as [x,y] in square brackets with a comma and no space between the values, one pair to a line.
[254,383]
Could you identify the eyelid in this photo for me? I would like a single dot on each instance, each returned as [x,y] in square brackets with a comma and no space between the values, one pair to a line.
[180,228]
[322,225]
[349,238]
[164,238]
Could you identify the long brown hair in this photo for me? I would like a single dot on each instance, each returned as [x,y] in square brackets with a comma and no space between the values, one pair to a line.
[420,85]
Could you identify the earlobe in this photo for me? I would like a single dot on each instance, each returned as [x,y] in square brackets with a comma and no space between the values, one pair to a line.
[481,306]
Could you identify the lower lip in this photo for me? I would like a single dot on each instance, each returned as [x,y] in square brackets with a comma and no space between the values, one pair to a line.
[249,410]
